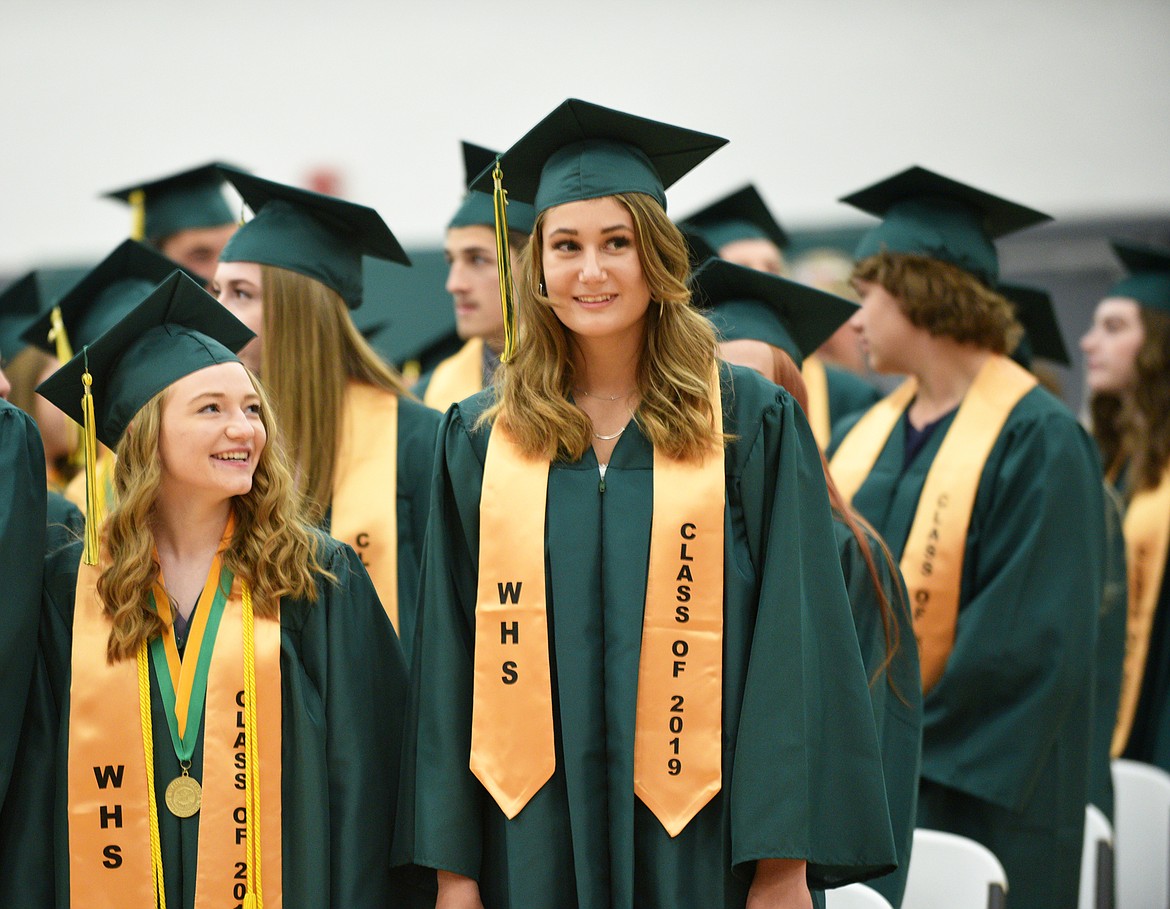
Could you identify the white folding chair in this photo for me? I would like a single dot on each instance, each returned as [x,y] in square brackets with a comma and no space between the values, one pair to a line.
[1141,818]
[855,896]
[953,872]
[1097,862]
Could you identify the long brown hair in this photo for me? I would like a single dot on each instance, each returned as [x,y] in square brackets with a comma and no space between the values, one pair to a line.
[788,376]
[674,370]
[1137,424]
[272,550]
[311,350]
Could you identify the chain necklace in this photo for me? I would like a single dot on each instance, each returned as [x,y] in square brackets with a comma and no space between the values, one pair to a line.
[604,397]
[609,437]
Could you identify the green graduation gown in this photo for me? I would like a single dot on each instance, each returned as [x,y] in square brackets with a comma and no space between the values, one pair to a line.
[1007,729]
[895,691]
[417,426]
[343,690]
[22,554]
[848,394]
[1111,623]
[801,769]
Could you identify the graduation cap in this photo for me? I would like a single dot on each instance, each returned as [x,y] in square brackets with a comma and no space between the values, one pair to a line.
[175,329]
[742,215]
[477,209]
[1042,335]
[184,201]
[407,313]
[927,214]
[20,303]
[103,296]
[1148,281]
[746,304]
[319,236]
[586,151]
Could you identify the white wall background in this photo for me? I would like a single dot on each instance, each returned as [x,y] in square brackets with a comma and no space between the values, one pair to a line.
[1061,104]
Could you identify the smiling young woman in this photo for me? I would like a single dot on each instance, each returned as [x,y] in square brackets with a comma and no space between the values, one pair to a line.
[206,664]
[631,589]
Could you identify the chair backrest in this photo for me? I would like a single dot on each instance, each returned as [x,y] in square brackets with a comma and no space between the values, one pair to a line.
[953,871]
[1141,819]
[1097,889]
[855,896]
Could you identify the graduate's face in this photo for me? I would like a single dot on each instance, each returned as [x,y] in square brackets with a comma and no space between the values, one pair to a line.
[211,434]
[239,286]
[592,269]
[1111,345]
[198,249]
[474,284]
[5,386]
[757,253]
[887,337]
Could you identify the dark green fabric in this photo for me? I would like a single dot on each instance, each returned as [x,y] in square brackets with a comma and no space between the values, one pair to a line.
[896,692]
[1007,729]
[741,215]
[849,394]
[478,210]
[801,768]
[344,691]
[1148,280]
[1111,623]
[417,428]
[22,553]
[174,330]
[185,201]
[1042,335]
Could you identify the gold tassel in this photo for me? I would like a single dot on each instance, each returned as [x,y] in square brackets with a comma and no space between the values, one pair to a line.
[411,370]
[93,516]
[59,337]
[138,215]
[504,263]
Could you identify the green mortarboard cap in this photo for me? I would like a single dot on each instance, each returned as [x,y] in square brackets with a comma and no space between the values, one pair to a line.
[585,151]
[927,214]
[408,310]
[477,209]
[1148,280]
[319,236]
[20,303]
[1042,335]
[754,305]
[184,201]
[742,215]
[103,296]
[176,329]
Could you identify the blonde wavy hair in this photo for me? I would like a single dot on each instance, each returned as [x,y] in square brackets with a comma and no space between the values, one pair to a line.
[272,549]
[311,351]
[674,370]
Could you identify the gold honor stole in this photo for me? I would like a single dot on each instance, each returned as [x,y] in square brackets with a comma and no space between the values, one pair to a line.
[458,377]
[816,380]
[1147,544]
[113,848]
[365,487]
[678,729]
[932,561]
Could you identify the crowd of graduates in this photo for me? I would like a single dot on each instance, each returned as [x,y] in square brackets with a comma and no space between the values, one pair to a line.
[643,596]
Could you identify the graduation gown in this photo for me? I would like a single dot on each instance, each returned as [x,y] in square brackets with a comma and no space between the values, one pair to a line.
[1111,622]
[1007,729]
[22,553]
[340,751]
[801,773]
[417,426]
[896,693]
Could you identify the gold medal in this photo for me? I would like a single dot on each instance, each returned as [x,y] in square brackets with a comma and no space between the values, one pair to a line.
[184,795]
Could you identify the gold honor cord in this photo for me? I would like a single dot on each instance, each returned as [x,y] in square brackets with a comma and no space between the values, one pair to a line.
[93,515]
[504,263]
[156,864]
[1147,544]
[138,215]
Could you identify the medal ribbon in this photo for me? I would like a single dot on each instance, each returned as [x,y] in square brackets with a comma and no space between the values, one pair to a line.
[365,484]
[816,380]
[458,377]
[677,768]
[1147,542]
[115,858]
[932,559]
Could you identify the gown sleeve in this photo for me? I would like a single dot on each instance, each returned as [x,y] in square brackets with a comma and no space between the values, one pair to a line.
[1026,633]
[808,774]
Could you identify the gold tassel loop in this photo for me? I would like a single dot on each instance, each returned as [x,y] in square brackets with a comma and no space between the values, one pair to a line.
[93,516]
[138,215]
[504,262]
